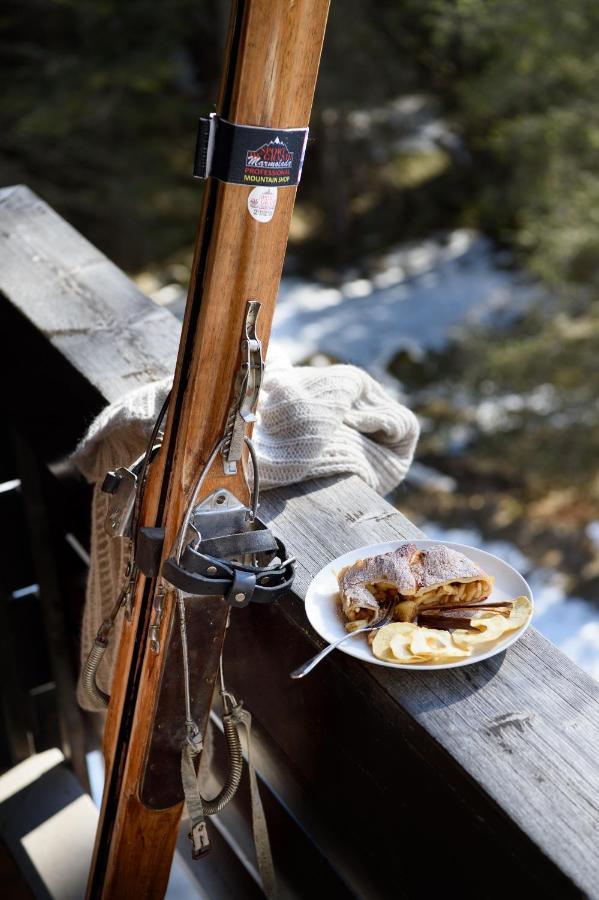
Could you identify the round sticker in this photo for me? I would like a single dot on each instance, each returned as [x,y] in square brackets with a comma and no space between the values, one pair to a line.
[262,202]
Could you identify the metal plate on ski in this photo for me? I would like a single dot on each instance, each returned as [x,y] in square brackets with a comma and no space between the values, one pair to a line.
[221,523]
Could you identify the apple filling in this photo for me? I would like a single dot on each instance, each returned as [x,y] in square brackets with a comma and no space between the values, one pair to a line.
[406,608]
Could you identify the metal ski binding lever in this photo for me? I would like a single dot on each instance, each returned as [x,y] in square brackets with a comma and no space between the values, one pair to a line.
[121,485]
[242,411]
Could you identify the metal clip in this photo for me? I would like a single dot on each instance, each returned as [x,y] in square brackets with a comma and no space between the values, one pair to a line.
[154,628]
[200,840]
[120,486]
[247,387]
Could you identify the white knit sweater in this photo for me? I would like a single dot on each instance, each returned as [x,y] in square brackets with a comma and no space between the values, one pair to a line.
[312,422]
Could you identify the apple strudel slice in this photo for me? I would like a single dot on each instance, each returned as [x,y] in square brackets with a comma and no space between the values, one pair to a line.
[415,579]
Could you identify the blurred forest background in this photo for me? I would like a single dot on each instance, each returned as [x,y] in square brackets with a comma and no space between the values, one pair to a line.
[433,119]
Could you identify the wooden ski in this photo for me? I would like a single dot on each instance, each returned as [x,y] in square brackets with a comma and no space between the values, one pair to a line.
[272,59]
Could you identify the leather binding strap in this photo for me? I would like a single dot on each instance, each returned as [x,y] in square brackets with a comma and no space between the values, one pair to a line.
[249,154]
[204,575]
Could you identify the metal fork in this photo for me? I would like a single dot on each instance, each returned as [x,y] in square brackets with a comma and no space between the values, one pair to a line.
[385,618]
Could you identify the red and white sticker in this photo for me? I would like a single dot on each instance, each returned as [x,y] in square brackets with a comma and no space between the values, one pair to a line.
[262,202]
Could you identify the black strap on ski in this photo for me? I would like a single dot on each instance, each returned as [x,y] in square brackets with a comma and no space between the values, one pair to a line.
[249,154]
[205,575]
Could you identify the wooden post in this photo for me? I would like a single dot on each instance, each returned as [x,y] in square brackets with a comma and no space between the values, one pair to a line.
[269,77]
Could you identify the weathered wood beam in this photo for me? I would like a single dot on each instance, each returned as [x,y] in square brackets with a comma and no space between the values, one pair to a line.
[69,311]
[80,302]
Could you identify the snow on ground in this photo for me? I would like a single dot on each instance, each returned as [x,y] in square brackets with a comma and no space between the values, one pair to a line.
[421,295]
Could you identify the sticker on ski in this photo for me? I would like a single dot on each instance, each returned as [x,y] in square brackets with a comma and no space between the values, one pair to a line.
[262,202]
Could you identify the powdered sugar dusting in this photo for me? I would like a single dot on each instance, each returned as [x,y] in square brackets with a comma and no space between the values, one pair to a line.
[410,570]
[393,568]
[440,564]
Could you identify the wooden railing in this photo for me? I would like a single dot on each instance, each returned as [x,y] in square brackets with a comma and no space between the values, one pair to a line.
[378,783]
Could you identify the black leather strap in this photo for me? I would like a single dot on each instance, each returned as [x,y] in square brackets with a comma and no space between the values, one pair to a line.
[238,544]
[242,588]
[203,575]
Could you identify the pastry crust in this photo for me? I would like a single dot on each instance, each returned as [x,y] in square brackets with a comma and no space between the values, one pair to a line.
[415,578]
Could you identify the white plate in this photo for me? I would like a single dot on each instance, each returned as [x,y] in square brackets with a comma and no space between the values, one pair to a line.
[325,615]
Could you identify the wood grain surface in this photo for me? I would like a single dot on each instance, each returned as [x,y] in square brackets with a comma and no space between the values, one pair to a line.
[273,56]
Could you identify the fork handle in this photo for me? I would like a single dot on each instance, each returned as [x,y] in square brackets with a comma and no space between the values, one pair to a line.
[308,666]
